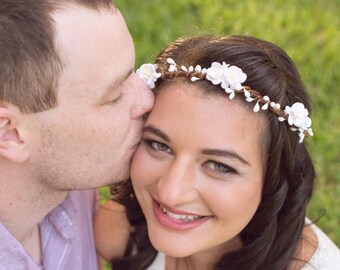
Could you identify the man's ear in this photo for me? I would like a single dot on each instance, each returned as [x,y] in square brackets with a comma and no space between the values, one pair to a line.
[12,147]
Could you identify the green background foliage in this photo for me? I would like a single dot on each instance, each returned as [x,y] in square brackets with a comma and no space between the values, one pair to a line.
[308,30]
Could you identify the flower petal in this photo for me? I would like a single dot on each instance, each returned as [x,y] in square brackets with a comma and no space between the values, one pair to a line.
[171,61]
[256,107]
[264,107]
[194,79]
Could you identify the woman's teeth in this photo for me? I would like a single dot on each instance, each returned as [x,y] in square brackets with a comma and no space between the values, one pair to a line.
[185,218]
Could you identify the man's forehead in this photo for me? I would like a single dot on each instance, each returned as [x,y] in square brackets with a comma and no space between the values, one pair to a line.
[95,5]
[77,27]
[95,47]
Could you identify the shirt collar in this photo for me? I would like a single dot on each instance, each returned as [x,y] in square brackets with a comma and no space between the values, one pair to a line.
[62,218]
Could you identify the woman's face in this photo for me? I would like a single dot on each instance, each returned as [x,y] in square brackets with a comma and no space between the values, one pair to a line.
[198,172]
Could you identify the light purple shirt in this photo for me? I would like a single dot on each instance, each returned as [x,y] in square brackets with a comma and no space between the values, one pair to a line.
[66,238]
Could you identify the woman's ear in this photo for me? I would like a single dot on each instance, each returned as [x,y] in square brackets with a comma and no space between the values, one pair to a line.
[12,147]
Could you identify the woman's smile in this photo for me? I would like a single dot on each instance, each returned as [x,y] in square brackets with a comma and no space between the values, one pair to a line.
[177,220]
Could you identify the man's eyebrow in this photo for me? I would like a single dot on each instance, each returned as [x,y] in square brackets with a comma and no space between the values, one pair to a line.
[118,81]
[156,132]
[224,153]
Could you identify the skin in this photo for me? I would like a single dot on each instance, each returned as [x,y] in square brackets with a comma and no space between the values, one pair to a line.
[88,139]
[177,174]
[111,231]
[173,167]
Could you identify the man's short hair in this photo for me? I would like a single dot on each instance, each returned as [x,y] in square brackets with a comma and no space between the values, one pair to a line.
[30,65]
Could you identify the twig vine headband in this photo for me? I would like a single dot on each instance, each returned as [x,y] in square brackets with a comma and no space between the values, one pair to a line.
[231,79]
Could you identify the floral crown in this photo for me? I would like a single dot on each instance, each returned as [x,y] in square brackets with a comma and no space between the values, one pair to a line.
[231,79]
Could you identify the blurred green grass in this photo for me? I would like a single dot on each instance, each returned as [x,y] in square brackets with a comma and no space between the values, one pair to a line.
[308,30]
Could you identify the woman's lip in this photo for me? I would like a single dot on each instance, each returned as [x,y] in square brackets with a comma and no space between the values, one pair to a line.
[177,212]
[173,223]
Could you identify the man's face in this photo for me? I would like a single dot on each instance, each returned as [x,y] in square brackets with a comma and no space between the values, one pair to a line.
[88,139]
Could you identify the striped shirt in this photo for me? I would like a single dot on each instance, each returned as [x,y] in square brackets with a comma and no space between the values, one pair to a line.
[66,238]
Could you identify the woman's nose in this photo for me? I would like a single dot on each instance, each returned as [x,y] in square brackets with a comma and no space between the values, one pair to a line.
[177,186]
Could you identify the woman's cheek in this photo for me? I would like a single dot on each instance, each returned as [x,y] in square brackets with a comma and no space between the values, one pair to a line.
[142,167]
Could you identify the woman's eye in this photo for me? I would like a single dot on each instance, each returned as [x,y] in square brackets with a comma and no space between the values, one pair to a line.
[158,146]
[219,167]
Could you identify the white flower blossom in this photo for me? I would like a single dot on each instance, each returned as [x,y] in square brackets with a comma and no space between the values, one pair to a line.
[148,74]
[170,61]
[301,136]
[172,68]
[264,107]
[298,116]
[246,93]
[275,106]
[215,73]
[233,77]
[198,68]
[256,107]
[184,68]
[194,79]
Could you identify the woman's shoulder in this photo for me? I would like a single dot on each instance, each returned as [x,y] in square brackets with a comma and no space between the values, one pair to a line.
[320,252]
[326,255]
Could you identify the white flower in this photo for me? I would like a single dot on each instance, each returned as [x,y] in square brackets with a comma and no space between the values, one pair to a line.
[310,132]
[256,107]
[275,106]
[301,136]
[172,68]
[230,77]
[148,73]
[198,68]
[194,79]
[216,72]
[184,68]
[171,61]
[298,116]
[267,100]
[233,78]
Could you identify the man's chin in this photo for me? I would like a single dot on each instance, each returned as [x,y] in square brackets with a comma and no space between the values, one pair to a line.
[121,178]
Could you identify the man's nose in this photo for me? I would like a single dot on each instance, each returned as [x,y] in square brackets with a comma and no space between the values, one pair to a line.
[144,99]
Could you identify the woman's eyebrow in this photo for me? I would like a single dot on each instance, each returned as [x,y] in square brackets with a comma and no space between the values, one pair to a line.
[224,153]
[157,132]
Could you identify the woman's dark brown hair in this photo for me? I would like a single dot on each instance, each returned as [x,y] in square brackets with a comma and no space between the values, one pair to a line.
[272,237]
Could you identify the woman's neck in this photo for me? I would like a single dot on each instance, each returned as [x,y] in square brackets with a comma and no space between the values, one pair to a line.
[204,260]
[187,263]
